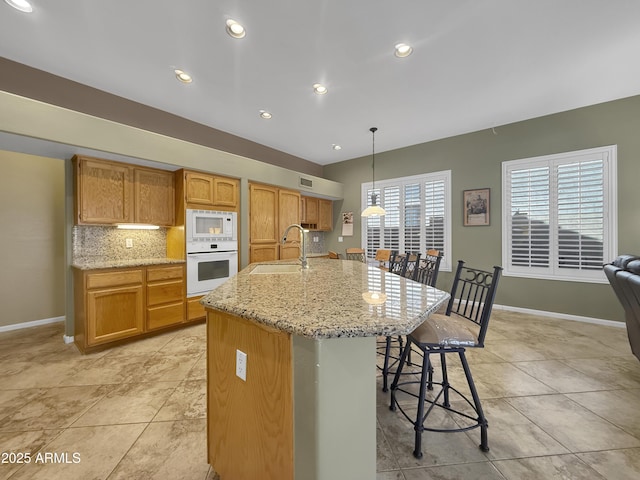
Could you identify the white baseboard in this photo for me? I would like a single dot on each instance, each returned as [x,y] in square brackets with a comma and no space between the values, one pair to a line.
[563,316]
[34,323]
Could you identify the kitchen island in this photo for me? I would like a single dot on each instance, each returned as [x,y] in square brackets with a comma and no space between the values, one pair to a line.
[305,343]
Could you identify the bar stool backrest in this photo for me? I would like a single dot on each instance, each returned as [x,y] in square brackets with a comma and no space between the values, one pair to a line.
[429,268]
[411,265]
[472,296]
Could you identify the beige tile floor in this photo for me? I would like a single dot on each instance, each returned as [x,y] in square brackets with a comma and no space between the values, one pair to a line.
[562,399]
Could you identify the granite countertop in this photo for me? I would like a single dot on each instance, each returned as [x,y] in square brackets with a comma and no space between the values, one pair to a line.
[92,264]
[333,298]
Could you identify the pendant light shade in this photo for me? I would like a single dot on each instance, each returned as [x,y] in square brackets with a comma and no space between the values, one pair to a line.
[374,210]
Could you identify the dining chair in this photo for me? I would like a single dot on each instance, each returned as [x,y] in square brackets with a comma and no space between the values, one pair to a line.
[464,325]
[383,256]
[334,255]
[356,254]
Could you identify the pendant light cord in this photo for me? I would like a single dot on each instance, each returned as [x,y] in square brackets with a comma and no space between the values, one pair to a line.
[373,157]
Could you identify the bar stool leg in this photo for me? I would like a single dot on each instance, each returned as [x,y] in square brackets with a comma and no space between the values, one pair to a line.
[445,380]
[385,367]
[396,378]
[484,442]
[418,426]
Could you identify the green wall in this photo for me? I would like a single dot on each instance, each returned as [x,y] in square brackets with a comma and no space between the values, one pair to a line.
[475,160]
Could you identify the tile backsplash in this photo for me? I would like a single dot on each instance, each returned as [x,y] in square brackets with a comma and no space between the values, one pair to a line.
[98,243]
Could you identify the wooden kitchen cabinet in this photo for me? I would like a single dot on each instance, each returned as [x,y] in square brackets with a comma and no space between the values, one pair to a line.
[263,252]
[165,296]
[108,306]
[271,211]
[317,214]
[206,190]
[109,192]
[309,212]
[195,310]
[263,214]
[104,191]
[325,215]
[154,197]
[115,304]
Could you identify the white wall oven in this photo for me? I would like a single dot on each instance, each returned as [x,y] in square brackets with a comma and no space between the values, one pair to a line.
[212,249]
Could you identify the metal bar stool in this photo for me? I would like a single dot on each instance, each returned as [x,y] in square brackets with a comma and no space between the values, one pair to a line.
[463,326]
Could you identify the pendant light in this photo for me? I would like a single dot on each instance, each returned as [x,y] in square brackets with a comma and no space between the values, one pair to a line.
[374,210]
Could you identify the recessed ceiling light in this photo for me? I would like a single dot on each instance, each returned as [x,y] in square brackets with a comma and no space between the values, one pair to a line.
[21,5]
[336,147]
[319,89]
[184,77]
[403,50]
[234,29]
[265,114]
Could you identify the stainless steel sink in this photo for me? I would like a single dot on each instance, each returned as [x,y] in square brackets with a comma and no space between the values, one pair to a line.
[275,269]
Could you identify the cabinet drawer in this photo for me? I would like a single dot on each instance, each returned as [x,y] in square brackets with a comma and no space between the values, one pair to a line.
[166,315]
[195,309]
[164,273]
[114,279]
[167,292]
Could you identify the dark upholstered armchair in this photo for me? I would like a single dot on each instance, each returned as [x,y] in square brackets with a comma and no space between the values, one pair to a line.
[624,276]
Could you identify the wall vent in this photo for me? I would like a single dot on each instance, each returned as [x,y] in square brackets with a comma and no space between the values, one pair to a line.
[305,182]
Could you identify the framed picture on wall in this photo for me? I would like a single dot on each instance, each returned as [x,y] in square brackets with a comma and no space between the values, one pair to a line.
[476,207]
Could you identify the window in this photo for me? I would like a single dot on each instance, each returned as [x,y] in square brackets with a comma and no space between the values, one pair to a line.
[418,215]
[559,215]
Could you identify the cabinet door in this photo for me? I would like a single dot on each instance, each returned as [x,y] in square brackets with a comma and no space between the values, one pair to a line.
[310,210]
[225,192]
[199,188]
[263,214]
[114,313]
[289,251]
[263,253]
[104,192]
[154,197]
[325,215]
[288,213]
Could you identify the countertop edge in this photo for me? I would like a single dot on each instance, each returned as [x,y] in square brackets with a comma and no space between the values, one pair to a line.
[142,262]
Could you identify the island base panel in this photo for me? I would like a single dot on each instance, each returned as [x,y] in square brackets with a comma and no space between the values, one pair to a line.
[249,423]
[335,408]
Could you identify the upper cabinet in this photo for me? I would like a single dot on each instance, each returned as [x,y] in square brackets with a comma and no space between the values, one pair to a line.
[104,191]
[325,215]
[203,190]
[317,214]
[110,192]
[154,196]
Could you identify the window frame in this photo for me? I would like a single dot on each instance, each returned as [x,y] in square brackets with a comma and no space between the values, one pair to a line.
[380,185]
[610,215]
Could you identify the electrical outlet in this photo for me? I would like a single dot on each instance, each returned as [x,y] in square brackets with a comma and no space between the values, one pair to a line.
[128,242]
[241,365]
[340,239]
[316,239]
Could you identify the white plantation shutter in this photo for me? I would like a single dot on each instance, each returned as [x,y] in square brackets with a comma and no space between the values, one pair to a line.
[418,215]
[559,215]
[434,215]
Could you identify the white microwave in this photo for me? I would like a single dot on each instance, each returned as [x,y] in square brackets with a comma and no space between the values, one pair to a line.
[211,226]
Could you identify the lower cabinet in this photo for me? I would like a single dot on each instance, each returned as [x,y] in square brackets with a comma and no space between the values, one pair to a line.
[165,296]
[195,310]
[115,304]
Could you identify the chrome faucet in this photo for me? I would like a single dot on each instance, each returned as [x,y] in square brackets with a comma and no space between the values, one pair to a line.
[303,250]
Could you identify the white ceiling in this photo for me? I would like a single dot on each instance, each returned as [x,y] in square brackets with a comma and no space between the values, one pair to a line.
[476,64]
